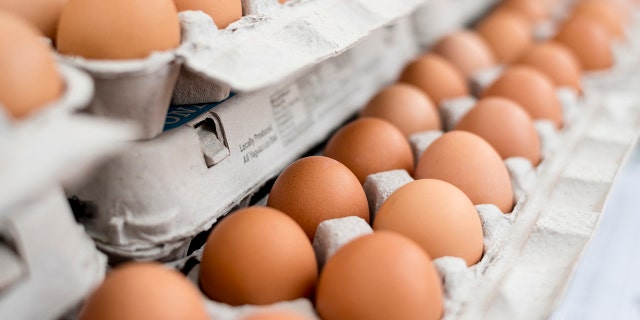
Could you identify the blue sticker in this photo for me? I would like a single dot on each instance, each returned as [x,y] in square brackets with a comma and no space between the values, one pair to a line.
[180,115]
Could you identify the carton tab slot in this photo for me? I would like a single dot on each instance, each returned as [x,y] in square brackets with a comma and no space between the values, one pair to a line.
[212,142]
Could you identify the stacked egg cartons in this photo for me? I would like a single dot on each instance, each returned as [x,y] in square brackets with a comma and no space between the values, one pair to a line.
[47,262]
[298,70]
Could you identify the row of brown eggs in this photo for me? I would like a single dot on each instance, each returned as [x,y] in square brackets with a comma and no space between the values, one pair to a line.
[92,29]
[261,255]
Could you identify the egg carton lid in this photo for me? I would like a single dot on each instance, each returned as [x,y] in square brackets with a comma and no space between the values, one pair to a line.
[263,49]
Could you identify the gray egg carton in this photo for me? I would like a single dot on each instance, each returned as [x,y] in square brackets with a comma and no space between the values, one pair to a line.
[150,201]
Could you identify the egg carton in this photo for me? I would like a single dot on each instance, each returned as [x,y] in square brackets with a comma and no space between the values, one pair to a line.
[48,265]
[271,43]
[437,18]
[151,200]
[530,252]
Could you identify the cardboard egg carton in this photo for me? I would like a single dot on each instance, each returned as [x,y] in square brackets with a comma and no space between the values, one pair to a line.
[271,43]
[151,200]
[47,262]
[530,252]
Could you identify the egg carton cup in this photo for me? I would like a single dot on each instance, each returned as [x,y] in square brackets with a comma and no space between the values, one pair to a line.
[48,265]
[437,18]
[151,200]
[273,42]
[136,91]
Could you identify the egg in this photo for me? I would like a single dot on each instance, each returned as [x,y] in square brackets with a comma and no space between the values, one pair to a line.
[470,163]
[117,29]
[436,77]
[508,34]
[257,255]
[276,315]
[466,50]
[505,126]
[318,188]
[437,216]
[589,41]
[138,290]
[604,13]
[223,12]
[406,107]
[43,14]
[30,78]
[370,145]
[534,10]
[556,61]
[531,89]
[379,276]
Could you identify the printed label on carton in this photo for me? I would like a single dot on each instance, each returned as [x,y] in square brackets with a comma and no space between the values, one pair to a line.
[255,145]
[290,113]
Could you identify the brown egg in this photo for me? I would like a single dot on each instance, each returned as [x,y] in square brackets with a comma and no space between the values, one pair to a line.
[534,10]
[589,41]
[437,216]
[466,50]
[29,78]
[556,61]
[43,14]
[276,315]
[604,13]
[506,126]
[370,145]
[508,34]
[314,189]
[257,255]
[223,12]
[438,78]
[379,276]
[118,29]
[471,164]
[139,290]
[531,89]
[406,107]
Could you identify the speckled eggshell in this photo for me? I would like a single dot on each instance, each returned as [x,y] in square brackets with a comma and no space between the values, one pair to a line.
[472,165]
[382,275]
[437,216]
[318,188]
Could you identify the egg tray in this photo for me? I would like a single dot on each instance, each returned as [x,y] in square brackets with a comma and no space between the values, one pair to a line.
[271,43]
[48,264]
[529,253]
[151,200]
